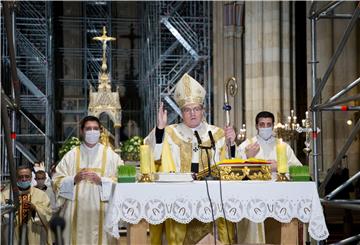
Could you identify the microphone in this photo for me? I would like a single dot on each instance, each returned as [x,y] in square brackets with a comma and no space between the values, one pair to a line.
[197,137]
[57,225]
[211,140]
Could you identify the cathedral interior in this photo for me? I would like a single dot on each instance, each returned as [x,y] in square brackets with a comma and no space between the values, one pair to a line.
[297,59]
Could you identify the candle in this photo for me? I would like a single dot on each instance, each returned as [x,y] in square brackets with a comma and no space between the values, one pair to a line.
[145,159]
[306,114]
[303,122]
[281,157]
[152,163]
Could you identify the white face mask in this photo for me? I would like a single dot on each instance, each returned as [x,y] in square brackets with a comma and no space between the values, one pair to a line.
[92,136]
[265,133]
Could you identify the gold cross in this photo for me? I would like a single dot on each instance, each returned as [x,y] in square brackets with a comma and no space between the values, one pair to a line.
[104,38]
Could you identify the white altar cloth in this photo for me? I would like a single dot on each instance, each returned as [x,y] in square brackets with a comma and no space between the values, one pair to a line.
[254,200]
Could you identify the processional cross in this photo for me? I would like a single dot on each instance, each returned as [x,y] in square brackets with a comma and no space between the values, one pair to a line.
[104,38]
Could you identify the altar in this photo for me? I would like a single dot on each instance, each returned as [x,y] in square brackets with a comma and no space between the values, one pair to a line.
[233,200]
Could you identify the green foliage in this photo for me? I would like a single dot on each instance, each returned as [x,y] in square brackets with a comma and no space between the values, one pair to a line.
[130,149]
[68,145]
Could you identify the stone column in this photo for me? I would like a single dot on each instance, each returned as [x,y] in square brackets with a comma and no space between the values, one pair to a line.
[227,63]
[267,69]
[267,62]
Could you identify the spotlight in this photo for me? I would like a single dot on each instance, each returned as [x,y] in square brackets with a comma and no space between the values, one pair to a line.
[349,122]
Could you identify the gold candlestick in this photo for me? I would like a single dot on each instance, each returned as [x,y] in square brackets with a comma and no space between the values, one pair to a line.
[281,177]
[146,178]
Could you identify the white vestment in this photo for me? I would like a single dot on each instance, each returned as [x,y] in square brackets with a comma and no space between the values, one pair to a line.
[184,148]
[250,232]
[50,192]
[267,150]
[83,205]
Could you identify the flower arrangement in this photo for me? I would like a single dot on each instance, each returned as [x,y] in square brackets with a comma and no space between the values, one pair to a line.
[130,149]
[68,145]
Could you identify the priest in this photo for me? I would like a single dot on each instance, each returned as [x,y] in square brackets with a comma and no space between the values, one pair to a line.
[83,183]
[176,148]
[34,210]
[262,146]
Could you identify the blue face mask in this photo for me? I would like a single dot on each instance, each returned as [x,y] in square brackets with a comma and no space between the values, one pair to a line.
[23,184]
[265,133]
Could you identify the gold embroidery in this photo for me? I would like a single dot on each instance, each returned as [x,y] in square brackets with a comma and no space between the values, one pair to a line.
[74,223]
[186,146]
[101,213]
[187,88]
[24,209]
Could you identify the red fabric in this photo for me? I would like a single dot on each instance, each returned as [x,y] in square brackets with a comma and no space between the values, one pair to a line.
[13,135]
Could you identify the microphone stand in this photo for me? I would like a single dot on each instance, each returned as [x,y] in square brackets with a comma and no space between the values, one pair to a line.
[206,148]
[57,225]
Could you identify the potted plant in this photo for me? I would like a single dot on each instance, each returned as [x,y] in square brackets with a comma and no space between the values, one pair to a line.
[68,145]
[130,149]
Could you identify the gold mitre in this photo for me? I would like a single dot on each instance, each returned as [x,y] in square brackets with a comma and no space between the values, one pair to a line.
[188,91]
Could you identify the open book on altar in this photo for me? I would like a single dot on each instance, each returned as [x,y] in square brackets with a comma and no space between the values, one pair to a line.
[240,169]
[242,162]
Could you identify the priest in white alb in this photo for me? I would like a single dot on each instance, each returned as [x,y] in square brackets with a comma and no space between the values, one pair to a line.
[83,183]
[262,146]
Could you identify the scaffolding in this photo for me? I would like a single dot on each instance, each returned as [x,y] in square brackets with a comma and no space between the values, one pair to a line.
[95,15]
[176,41]
[338,102]
[33,125]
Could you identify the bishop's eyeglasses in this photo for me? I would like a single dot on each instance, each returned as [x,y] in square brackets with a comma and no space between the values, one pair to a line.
[189,110]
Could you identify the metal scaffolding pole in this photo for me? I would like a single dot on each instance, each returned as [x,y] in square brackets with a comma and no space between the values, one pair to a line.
[336,102]
[314,114]
[49,123]
[336,55]
[343,186]
[176,41]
